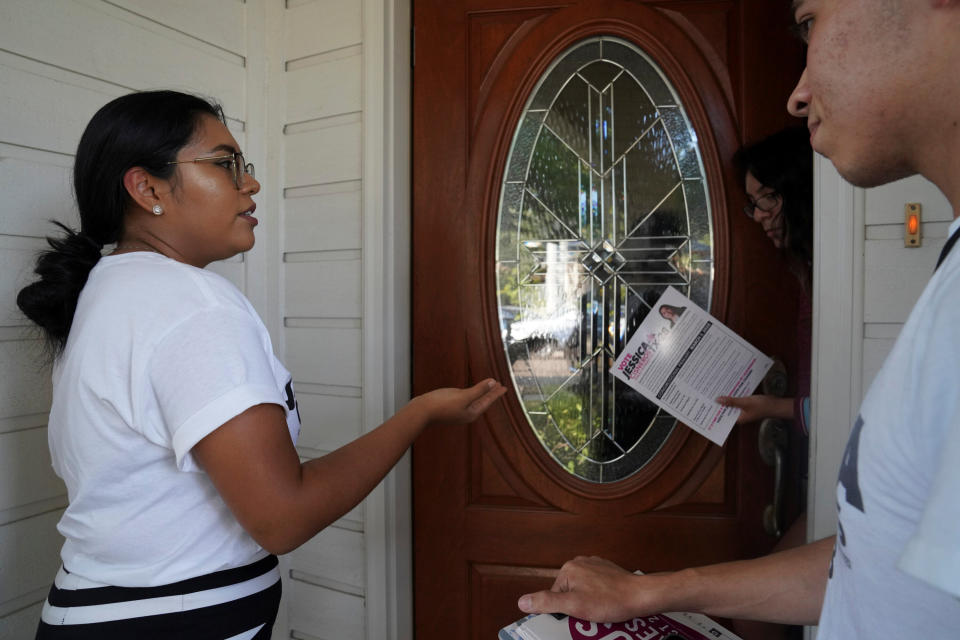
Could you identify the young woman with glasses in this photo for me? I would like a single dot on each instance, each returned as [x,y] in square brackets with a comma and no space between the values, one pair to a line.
[173,424]
[778,178]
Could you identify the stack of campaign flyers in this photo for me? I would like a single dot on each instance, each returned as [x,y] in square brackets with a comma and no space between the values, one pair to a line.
[666,626]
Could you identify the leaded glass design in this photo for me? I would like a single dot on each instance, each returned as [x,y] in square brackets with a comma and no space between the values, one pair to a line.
[603,205]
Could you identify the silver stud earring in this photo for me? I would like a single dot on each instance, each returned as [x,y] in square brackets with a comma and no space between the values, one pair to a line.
[157,210]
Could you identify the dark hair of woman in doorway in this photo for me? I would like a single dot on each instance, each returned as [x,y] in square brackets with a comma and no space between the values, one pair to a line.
[777,173]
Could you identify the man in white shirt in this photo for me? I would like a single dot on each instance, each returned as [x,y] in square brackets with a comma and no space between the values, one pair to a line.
[881,95]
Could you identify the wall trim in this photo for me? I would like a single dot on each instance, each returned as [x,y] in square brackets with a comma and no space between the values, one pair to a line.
[262,266]
[837,367]
[386,306]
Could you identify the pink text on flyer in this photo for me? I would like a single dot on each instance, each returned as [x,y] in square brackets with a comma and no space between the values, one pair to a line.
[646,628]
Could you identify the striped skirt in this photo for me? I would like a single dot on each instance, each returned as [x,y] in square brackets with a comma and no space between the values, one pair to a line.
[234,604]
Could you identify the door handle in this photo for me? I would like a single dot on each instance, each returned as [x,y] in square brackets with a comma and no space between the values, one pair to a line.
[775,382]
[772,441]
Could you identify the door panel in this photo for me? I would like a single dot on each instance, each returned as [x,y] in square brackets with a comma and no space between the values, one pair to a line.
[494,514]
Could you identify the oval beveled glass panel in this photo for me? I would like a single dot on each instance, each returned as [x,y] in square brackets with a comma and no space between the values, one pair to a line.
[604,204]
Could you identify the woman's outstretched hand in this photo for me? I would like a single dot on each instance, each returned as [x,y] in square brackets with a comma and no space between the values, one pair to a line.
[758,407]
[460,406]
[590,588]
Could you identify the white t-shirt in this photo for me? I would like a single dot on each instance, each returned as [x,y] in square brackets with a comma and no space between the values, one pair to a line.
[159,355]
[896,565]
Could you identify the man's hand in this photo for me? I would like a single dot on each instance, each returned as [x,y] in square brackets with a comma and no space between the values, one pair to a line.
[785,587]
[590,588]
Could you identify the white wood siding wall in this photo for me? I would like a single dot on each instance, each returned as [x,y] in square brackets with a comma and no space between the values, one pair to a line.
[322,129]
[865,284]
[316,92]
[895,275]
[60,61]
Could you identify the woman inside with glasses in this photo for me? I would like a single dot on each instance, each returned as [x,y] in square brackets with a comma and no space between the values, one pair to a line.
[778,177]
[173,424]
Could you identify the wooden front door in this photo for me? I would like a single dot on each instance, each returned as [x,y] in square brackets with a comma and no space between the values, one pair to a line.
[495,511]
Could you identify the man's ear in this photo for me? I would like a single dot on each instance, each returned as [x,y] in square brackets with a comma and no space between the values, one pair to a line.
[140,187]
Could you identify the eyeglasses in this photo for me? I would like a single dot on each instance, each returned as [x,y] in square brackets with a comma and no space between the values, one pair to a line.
[766,203]
[238,166]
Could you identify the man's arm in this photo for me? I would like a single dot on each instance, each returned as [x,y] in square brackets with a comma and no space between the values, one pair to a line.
[785,587]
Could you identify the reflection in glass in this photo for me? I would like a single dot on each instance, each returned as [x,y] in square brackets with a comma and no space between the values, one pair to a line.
[604,204]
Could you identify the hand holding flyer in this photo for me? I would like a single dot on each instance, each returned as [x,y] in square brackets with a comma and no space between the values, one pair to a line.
[677,625]
[682,358]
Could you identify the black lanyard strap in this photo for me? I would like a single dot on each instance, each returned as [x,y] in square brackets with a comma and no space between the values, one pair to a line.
[952,240]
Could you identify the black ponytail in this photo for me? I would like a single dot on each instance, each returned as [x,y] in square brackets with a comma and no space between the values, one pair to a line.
[63,270]
[144,129]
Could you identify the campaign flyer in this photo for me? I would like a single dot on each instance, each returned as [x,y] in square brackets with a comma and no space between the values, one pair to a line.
[682,358]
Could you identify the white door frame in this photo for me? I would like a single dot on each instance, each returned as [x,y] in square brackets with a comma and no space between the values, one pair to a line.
[387,86]
[837,368]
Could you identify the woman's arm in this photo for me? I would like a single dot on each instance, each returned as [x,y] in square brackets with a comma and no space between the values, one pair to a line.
[283,503]
[758,407]
[785,587]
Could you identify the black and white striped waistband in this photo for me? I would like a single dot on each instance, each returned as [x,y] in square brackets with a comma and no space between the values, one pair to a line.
[74,600]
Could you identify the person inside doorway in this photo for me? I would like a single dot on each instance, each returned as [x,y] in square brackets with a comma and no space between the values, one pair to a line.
[778,179]
[777,173]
